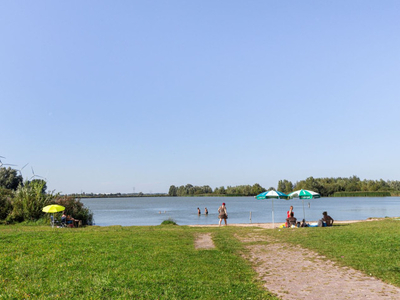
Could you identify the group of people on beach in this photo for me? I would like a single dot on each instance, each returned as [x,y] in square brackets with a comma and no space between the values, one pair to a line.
[291,221]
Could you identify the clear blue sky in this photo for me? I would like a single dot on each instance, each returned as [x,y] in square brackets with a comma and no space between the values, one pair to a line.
[107,96]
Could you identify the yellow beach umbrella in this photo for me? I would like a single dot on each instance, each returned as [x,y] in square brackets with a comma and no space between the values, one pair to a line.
[53,209]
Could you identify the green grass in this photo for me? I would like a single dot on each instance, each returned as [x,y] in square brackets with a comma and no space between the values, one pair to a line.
[160,262]
[157,262]
[371,247]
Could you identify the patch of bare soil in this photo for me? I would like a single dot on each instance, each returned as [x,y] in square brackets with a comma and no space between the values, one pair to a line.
[204,241]
[292,272]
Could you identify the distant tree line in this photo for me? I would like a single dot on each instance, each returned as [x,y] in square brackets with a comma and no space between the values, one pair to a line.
[327,187]
[240,190]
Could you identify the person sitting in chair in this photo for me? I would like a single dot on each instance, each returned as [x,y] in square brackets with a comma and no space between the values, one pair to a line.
[63,218]
[327,219]
[70,221]
[291,220]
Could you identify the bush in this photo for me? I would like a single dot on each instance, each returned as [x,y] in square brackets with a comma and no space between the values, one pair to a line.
[76,209]
[168,222]
[5,202]
[28,202]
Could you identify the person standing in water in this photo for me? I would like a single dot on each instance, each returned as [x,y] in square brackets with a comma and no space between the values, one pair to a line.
[198,211]
[206,211]
[222,214]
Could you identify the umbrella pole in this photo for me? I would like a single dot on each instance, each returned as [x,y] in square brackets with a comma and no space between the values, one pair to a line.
[273,221]
[304,212]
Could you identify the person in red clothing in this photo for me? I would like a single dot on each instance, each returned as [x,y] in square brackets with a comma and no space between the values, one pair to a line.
[289,213]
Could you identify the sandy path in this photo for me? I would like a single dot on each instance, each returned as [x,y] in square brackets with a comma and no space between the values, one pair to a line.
[204,241]
[295,273]
[292,272]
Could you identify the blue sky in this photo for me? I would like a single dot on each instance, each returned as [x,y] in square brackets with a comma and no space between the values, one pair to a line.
[111,96]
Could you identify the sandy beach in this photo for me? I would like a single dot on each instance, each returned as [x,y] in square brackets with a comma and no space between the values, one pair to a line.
[277,225]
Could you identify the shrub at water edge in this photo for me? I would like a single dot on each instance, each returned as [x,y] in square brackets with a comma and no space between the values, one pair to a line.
[76,209]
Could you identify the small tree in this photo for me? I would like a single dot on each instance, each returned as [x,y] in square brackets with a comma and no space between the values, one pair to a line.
[10,179]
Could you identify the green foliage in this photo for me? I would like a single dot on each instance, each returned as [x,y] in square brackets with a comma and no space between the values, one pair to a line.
[169,222]
[257,189]
[329,186]
[76,209]
[361,194]
[220,191]
[29,201]
[9,179]
[5,202]
[172,191]
[42,182]
[285,186]
[190,190]
[25,204]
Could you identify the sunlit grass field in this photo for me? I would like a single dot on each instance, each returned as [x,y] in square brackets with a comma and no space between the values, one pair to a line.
[160,262]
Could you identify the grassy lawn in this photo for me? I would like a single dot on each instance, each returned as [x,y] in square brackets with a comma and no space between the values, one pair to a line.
[371,247]
[160,262]
[157,262]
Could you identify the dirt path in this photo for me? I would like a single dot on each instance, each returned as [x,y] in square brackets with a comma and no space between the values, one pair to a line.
[292,272]
[296,273]
[204,241]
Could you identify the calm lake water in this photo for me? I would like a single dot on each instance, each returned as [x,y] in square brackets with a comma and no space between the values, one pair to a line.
[183,210]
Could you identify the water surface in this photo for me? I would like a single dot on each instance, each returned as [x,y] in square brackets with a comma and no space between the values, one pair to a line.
[183,210]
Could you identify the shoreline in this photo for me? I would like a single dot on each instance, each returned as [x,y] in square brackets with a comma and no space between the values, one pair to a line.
[277,225]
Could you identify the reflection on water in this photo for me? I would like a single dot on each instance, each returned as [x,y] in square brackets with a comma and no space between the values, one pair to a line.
[183,210]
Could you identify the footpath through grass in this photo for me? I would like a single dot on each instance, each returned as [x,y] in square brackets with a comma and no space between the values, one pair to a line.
[157,262]
[371,247]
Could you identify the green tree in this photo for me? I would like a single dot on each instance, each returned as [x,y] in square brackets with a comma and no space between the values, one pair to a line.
[285,186]
[172,191]
[220,191]
[40,182]
[10,179]
[181,191]
[257,189]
